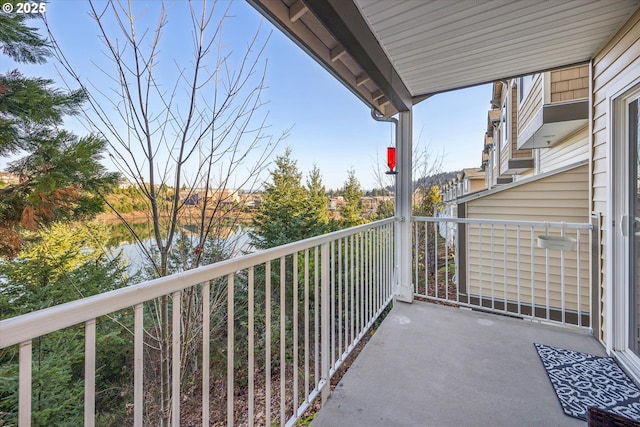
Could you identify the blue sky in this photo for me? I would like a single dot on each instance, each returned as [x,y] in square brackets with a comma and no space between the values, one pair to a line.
[330,127]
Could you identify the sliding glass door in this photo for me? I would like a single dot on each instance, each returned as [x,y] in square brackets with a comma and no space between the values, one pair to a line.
[632,226]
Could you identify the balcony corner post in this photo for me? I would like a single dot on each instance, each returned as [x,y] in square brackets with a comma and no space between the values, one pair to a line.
[404,191]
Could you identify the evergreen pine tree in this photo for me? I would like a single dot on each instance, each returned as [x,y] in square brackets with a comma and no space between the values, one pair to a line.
[19,41]
[290,211]
[60,174]
[318,203]
[352,209]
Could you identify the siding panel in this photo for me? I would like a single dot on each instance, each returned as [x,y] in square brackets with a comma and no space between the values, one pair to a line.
[560,197]
[531,104]
[618,62]
[574,149]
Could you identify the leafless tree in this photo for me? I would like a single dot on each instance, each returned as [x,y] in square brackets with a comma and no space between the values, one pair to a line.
[426,163]
[186,133]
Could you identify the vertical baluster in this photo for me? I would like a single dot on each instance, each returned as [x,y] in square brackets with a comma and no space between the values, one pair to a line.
[363,281]
[435,257]
[363,268]
[562,279]
[493,278]
[533,268]
[267,357]
[176,308]
[340,308]
[390,258]
[457,264]
[362,284]
[347,301]
[24,384]
[325,322]
[206,314]
[138,365]
[518,276]
[90,373]
[367,276]
[332,299]
[357,283]
[546,277]
[295,373]
[306,325]
[377,247]
[426,259]
[352,290]
[316,314]
[251,349]
[504,267]
[283,336]
[385,262]
[578,276]
[372,275]
[446,258]
[416,258]
[480,255]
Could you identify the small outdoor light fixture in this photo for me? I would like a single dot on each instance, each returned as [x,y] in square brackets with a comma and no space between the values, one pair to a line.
[391,161]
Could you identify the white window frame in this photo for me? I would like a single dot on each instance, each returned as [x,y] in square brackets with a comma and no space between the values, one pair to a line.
[525,83]
[617,284]
[505,123]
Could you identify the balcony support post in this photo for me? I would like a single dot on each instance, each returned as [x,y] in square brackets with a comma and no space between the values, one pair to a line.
[404,191]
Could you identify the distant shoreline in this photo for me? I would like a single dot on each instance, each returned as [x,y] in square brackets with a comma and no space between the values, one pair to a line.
[111,218]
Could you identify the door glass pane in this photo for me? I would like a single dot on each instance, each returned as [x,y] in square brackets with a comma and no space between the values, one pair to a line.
[634,223]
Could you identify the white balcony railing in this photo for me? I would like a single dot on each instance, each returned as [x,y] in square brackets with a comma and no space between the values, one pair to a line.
[500,266]
[290,317]
[286,318]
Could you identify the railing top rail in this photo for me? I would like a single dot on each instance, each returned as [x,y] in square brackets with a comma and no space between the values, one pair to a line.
[32,325]
[552,224]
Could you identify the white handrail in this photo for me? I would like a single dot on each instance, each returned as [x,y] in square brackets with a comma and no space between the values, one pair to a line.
[568,225]
[32,325]
[373,243]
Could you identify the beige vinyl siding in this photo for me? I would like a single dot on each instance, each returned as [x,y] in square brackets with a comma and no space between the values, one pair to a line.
[531,104]
[476,184]
[563,197]
[513,135]
[538,199]
[617,63]
[510,150]
[572,150]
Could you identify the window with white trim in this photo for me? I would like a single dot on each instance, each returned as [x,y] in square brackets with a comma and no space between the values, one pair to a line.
[524,86]
[504,122]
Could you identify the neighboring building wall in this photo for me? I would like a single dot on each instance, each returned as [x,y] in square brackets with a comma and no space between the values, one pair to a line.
[617,64]
[514,116]
[476,184]
[532,101]
[556,87]
[569,84]
[560,197]
[573,149]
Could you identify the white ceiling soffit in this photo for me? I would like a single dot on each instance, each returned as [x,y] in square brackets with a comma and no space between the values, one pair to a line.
[395,53]
[441,45]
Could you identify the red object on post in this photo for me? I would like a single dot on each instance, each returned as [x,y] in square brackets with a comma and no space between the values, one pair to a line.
[391,160]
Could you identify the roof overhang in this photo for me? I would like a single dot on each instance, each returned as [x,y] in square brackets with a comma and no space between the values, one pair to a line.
[394,54]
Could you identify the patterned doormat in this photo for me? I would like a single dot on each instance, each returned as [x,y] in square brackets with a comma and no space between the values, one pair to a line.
[582,380]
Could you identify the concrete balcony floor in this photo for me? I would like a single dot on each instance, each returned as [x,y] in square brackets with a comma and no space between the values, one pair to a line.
[430,365]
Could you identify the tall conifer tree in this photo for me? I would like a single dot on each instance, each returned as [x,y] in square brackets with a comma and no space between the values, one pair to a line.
[60,175]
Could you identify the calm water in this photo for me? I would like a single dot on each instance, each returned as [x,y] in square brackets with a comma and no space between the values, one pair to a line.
[238,243]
